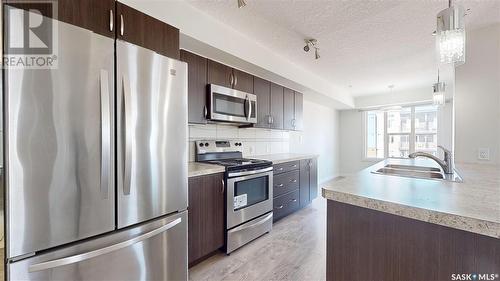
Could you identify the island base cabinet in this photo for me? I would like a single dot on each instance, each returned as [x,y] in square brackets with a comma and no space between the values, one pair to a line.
[364,244]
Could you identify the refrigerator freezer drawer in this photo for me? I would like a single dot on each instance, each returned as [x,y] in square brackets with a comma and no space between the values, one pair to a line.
[154,251]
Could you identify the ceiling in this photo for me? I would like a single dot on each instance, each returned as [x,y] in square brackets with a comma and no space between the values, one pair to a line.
[366,44]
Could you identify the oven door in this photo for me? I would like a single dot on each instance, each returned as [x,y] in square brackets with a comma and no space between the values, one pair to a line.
[231,105]
[249,195]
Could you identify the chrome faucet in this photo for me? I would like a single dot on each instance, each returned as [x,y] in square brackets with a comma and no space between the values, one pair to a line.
[446,164]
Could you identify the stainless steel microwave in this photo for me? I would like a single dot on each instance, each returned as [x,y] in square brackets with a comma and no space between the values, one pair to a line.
[229,105]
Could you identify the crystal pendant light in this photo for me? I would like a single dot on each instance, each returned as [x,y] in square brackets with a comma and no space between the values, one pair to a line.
[438,96]
[450,35]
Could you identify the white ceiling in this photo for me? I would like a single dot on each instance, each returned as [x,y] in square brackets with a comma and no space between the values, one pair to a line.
[368,44]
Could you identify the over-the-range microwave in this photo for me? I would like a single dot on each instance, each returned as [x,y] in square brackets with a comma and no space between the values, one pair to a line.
[230,105]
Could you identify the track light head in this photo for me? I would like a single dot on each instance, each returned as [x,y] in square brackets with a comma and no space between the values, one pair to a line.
[316,53]
[241,3]
[306,48]
[312,43]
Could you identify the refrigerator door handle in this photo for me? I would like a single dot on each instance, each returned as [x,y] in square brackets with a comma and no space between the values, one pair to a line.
[105,132]
[128,135]
[99,252]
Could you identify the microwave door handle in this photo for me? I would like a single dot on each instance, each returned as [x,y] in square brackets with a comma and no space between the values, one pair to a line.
[247,108]
[250,109]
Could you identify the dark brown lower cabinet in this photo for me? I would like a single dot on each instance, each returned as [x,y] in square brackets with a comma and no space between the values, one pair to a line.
[364,244]
[295,185]
[205,216]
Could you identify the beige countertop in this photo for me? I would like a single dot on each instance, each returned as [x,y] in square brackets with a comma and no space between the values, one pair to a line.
[196,169]
[473,205]
[285,157]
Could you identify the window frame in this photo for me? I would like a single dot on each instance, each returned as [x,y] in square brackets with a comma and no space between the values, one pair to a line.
[412,134]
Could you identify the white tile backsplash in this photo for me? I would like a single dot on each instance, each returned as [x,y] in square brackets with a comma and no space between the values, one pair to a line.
[255,141]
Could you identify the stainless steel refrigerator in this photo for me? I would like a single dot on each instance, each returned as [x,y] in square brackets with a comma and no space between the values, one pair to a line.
[96,163]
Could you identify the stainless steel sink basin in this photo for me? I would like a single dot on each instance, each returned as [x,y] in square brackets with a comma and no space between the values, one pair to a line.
[413,168]
[410,173]
[418,172]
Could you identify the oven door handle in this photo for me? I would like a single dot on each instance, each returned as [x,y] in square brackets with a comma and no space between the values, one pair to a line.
[246,173]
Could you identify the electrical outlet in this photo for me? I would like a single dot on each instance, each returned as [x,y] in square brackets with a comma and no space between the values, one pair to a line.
[483,154]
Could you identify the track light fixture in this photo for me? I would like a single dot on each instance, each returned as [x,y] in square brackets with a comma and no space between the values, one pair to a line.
[241,3]
[314,44]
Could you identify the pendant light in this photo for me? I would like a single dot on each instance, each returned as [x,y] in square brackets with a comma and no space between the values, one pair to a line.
[392,107]
[241,3]
[450,35]
[438,96]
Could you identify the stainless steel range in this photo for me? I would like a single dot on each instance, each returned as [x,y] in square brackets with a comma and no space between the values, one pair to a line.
[249,192]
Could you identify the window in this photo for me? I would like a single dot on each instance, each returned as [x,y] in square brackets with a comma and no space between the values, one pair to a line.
[397,133]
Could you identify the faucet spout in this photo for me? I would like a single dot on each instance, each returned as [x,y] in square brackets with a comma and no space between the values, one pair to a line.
[446,164]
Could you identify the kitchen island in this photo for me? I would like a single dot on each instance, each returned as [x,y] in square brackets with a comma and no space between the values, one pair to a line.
[382,227]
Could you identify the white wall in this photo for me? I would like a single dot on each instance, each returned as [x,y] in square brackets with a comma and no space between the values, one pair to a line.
[352,142]
[320,136]
[477,97]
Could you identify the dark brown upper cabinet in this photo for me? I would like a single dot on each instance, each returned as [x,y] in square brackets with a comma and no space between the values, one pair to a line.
[243,81]
[140,29]
[262,89]
[95,15]
[226,76]
[276,106]
[197,87]
[288,109]
[298,112]
[220,74]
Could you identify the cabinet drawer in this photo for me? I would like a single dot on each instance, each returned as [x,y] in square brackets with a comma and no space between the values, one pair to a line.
[286,167]
[284,183]
[285,204]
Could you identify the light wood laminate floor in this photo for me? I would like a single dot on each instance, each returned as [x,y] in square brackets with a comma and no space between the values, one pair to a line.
[294,250]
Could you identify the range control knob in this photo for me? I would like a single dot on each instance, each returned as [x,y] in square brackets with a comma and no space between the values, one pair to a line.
[207,144]
[201,144]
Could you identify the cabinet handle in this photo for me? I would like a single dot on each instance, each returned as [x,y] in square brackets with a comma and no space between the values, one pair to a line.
[235,80]
[111,20]
[294,180]
[280,185]
[205,111]
[223,186]
[122,25]
[231,80]
[293,123]
[279,207]
[294,166]
[280,169]
[293,200]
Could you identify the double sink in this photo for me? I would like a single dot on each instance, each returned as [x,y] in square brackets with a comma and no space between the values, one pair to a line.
[418,172]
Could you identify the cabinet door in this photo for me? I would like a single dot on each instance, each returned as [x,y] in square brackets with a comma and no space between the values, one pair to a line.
[298,112]
[197,87]
[305,182]
[142,30]
[243,81]
[262,89]
[220,74]
[95,15]
[313,178]
[276,106]
[205,215]
[288,109]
